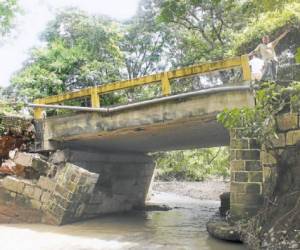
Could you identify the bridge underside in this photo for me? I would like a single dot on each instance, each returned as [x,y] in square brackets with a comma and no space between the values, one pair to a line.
[165,137]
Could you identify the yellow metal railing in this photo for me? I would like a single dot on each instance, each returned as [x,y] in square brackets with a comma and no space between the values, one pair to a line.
[164,77]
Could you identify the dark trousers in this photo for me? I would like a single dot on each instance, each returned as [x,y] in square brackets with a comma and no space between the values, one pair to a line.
[270,72]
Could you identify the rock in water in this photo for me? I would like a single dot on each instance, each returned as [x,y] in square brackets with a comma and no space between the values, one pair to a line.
[222,230]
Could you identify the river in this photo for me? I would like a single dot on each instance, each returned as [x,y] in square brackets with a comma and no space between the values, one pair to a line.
[183,227]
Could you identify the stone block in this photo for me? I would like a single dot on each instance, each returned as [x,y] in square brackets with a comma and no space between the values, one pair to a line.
[253,166]
[45,196]
[39,165]
[59,157]
[239,144]
[57,211]
[253,188]
[267,158]
[237,165]
[36,204]
[247,154]
[29,191]
[232,154]
[287,121]
[37,193]
[61,201]
[5,196]
[71,186]
[280,141]
[23,159]
[293,137]
[253,144]
[247,199]
[64,192]
[13,184]
[46,183]
[256,176]
[241,176]
[237,187]
[22,201]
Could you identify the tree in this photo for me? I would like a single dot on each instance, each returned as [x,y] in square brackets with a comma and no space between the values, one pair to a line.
[213,21]
[8,10]
[81,51]
[192,165]
[144,41]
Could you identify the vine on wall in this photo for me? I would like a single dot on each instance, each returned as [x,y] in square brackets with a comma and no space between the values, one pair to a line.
[260,121]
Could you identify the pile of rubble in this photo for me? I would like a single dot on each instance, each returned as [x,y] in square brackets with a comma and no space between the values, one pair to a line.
[17,135]
[26,165]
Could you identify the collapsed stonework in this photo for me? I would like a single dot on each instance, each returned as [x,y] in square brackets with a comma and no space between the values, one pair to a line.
[65,186]
[65,192]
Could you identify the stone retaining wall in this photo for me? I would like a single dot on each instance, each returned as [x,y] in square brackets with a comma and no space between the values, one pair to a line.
[288,127]
[254,168]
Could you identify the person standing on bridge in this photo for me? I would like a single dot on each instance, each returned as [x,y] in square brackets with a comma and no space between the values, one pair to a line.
[266,51]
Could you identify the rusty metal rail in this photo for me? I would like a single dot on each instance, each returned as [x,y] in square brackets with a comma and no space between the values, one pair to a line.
[164,77]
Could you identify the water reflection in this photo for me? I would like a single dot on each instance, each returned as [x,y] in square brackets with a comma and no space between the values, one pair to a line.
[180,228]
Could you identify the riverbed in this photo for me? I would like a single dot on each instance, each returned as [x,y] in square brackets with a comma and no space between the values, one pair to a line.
[182,227]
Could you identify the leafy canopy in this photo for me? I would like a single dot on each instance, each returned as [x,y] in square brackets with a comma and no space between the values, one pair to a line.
[8,10]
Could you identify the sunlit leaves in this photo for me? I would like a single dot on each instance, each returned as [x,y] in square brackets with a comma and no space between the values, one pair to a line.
[193,165]
[81,51]
[259,122]
[8,9]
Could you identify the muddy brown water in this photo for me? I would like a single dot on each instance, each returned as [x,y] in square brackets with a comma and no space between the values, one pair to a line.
[180,228]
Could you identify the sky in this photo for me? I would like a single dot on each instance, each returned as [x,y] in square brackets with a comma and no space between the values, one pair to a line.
[36,15]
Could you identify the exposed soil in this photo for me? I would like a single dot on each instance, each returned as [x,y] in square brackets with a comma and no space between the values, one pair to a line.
[206,190]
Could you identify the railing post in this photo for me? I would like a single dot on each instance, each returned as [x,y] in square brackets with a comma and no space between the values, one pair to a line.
[166,87]
[95,99]
[38,112]
[246,68]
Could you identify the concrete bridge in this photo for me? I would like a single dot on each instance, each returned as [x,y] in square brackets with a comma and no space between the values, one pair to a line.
[113,143]
[183,121]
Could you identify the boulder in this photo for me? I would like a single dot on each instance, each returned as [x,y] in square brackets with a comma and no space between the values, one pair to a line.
[222,230]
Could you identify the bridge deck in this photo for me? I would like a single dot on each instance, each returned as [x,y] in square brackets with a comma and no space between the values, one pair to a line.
[178,123]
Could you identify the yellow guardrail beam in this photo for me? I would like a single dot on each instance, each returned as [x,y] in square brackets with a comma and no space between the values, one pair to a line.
[164,78]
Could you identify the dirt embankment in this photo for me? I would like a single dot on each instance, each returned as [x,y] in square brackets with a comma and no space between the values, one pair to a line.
[206,190]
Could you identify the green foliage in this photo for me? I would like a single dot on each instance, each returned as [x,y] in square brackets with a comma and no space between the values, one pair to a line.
[192,165]
[269,23]
[298,56]
[81,51]
[212,22]
[259,122]
[259,6]
[8,10]
[9,110]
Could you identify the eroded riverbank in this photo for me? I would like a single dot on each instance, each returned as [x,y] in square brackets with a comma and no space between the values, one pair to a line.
[183,227]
